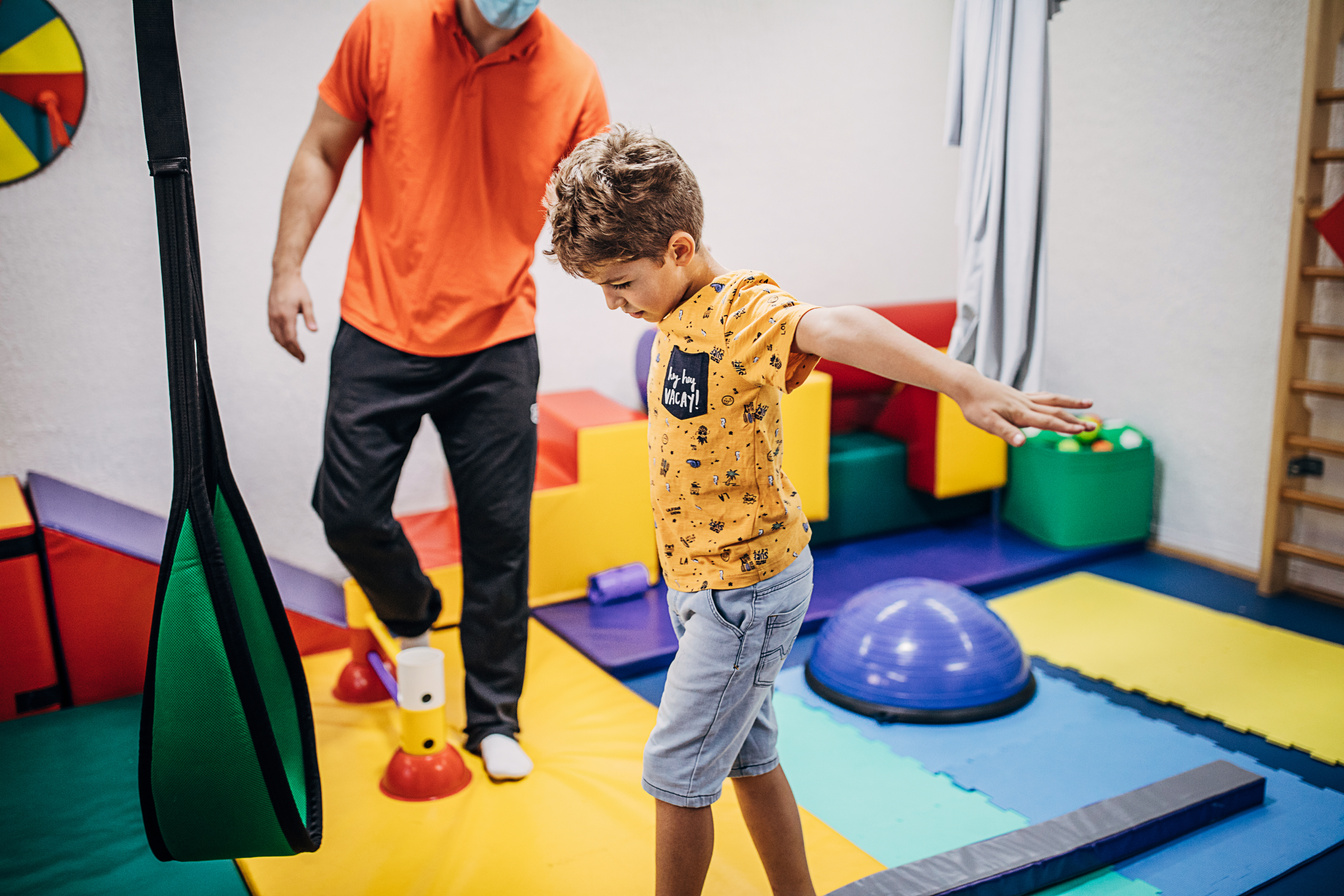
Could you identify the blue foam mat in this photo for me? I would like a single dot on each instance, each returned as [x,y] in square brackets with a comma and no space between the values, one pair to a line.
[1069,748]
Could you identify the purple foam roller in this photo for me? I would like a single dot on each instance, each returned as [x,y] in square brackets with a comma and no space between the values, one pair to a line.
[618,583]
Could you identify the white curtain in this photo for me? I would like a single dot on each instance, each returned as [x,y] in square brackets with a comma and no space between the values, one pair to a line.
[998,112]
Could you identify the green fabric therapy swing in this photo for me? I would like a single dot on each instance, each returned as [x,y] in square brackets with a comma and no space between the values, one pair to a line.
[228,764]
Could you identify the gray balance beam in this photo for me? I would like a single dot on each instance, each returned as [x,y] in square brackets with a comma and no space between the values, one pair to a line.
[1042,855]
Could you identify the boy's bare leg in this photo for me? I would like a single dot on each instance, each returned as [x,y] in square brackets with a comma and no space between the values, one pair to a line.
[771,814]
[684,842]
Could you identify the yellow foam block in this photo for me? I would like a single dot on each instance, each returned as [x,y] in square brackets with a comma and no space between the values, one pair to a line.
[807,443]
[579,824]
[601,521]
[15,520]
[969,460]
[1285,687]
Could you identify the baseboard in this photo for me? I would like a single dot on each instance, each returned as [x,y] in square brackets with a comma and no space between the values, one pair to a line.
[1232,569]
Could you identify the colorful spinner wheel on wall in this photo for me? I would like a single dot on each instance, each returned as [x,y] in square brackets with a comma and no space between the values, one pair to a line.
[42,87]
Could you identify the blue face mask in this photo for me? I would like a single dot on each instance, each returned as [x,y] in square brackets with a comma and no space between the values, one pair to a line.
[506,14]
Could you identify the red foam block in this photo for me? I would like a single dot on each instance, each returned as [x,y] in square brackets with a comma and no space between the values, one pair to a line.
[104,603]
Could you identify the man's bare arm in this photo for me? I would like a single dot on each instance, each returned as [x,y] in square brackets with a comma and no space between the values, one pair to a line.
[312,182]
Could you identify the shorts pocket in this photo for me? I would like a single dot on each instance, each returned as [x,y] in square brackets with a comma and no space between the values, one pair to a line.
[731,608]
[780,631]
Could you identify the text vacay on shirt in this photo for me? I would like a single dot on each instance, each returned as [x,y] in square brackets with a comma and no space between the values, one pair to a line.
[685,384]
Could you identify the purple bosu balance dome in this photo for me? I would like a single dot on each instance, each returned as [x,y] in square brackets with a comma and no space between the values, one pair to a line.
[920,650]
[644,361]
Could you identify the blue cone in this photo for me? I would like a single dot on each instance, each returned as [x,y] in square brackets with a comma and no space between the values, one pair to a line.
[920,650]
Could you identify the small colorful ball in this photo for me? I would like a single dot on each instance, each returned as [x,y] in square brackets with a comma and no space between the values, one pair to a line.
[1069,445]
[1101,445]
[1131,439]
[1088,435]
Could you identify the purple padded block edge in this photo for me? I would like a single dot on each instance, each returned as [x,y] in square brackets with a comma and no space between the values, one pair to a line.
[72,510]
[635,637]
[136,533]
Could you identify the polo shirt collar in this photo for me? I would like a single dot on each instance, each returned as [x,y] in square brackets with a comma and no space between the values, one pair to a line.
[445,14]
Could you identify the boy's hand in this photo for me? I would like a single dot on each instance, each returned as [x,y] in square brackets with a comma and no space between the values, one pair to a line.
[1000,410]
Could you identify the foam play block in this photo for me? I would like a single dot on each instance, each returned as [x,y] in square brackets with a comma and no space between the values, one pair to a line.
[1030,859]
[602,518]
[948,456]
[1277,684]
[859,396]
[590,509]
[869,494]
[29,680]
[578,824]
[103,557]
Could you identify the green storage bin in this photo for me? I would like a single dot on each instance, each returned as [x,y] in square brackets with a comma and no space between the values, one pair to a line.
[1082,499]
[869,495]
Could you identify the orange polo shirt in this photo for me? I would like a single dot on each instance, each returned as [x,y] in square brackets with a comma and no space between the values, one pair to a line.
[457,153]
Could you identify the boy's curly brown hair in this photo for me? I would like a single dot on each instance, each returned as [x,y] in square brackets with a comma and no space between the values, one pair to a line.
[619,196]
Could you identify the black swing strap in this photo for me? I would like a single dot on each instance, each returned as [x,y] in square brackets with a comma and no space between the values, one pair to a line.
[228,763]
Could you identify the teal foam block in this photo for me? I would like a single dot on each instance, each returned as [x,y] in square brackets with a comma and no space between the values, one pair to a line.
[1069,748]
[869,495]
[892,807]
[70,811]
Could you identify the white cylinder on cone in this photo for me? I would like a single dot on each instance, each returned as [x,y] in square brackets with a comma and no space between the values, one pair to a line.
[420,678]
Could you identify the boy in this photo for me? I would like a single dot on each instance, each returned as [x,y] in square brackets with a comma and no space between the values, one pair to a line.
[625,212]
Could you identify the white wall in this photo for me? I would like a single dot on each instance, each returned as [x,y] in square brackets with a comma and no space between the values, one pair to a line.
[815,131]
[1175,129]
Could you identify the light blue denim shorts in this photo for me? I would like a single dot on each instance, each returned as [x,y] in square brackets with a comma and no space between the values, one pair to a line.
[717,716]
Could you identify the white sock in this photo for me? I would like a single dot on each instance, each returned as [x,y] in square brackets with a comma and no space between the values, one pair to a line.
[504,758]
[420,640]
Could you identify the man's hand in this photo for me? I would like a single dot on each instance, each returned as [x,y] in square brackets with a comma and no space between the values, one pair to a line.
[1000,410]
[289,299]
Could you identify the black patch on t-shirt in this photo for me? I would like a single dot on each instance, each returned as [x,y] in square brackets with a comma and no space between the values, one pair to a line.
[685,384]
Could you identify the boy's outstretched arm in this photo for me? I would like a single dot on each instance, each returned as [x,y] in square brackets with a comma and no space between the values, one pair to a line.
[863,338]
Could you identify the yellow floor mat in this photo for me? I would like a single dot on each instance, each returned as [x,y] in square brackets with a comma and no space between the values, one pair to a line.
[1282,686]
[579,824]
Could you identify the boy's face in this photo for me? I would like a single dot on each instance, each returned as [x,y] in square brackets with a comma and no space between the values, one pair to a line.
[649,288]
[643,288]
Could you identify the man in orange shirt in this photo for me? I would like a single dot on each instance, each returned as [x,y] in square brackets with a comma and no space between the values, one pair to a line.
[465,108]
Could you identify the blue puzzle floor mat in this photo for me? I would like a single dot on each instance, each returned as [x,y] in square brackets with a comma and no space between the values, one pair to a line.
[1064,750]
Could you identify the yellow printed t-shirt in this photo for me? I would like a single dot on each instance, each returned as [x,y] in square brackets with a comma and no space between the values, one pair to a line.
[457,152]
[725,513]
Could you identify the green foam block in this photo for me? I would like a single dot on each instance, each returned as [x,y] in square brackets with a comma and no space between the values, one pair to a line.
[869,494]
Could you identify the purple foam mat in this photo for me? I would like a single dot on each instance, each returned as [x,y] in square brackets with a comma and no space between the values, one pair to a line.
[136,533]
[635,636]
